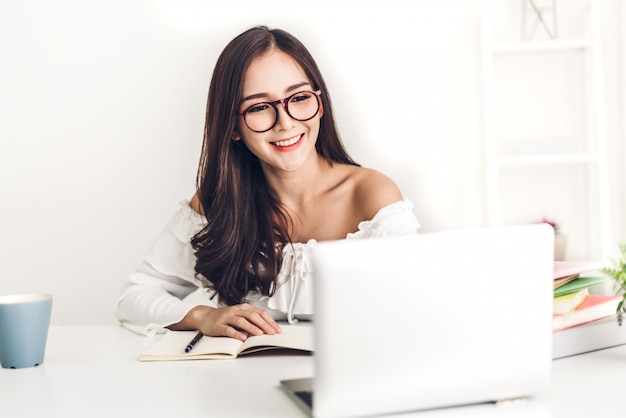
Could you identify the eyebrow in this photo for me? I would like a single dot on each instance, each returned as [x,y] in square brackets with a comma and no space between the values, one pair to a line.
[263,95]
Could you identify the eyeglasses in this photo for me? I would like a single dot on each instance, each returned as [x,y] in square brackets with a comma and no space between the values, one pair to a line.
[301,106]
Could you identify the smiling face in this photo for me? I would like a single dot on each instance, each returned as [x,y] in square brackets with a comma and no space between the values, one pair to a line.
[290,143]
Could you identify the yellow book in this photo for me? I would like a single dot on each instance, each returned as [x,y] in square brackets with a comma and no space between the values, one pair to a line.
[568,303]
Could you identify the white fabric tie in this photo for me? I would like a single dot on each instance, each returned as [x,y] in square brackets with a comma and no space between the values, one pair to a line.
[300,269]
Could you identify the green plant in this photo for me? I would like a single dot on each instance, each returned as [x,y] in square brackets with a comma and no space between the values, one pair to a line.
[617,272]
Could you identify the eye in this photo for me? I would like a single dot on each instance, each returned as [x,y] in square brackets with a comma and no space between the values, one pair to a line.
[260,107]
[300,97]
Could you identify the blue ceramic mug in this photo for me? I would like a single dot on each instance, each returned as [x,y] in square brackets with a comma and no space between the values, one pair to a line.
[24,323]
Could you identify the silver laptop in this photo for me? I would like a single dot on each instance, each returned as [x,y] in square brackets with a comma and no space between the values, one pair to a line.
[430,321]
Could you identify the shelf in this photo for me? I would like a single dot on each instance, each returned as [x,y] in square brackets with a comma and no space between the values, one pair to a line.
[539,159]
[583,162]
[540,46]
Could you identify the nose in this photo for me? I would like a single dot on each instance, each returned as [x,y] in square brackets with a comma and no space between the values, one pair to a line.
[284,121]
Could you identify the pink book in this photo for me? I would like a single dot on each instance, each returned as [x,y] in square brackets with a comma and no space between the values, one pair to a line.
[592,308]
[569,268]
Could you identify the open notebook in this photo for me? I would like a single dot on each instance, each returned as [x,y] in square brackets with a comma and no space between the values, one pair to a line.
[432,320]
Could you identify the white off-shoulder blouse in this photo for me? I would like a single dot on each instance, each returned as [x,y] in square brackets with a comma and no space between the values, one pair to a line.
[153,296]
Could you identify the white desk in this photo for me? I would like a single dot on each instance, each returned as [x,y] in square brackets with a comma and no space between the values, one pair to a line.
[93,371]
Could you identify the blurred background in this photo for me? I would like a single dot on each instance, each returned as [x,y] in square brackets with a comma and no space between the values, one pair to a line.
[483,113]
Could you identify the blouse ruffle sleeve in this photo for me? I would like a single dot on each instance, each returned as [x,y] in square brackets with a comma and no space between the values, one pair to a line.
[153,296]
[394,220]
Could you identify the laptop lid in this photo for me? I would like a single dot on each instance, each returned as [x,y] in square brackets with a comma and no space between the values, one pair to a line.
[432,320]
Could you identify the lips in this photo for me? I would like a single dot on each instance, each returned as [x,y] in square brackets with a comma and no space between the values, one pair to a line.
[287,143]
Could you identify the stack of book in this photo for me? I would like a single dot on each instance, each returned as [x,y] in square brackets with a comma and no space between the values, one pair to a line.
[583,320]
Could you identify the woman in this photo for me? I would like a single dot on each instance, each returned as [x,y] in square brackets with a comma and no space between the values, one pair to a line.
[274,179]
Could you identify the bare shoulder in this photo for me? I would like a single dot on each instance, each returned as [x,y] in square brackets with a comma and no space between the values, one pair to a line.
[373,190]
[196,204]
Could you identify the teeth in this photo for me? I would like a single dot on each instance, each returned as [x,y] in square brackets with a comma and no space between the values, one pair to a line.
[288,142]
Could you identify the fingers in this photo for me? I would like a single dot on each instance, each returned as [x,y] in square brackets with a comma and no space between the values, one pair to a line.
[264,322]
[240,321]
[229,331]
[254,321]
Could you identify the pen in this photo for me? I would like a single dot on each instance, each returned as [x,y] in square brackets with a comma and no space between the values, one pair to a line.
[194,341]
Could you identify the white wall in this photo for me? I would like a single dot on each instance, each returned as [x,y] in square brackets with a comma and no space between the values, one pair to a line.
[620,54]
[101,107]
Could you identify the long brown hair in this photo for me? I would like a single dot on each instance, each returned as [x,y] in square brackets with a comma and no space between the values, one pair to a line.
[240,249]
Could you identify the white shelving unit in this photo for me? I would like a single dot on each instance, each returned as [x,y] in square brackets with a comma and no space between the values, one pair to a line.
[585,154]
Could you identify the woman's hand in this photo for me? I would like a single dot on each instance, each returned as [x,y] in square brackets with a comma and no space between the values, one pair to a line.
[237,321]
